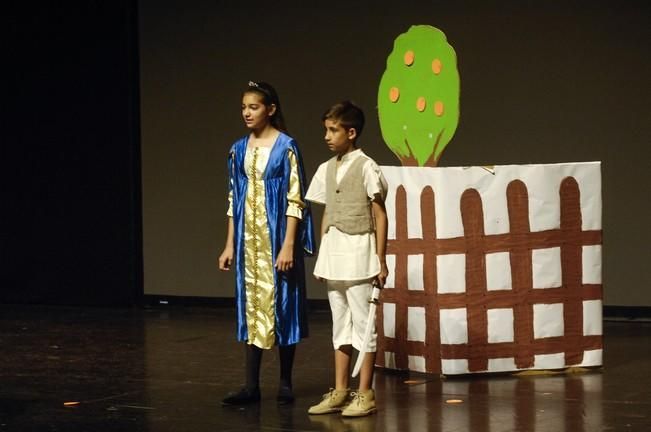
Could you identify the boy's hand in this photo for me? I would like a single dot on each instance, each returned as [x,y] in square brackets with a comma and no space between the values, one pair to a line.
[381,278]
[225,259]
[285,260]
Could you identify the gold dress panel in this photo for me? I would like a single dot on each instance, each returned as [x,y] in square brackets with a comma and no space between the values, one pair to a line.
[258,259]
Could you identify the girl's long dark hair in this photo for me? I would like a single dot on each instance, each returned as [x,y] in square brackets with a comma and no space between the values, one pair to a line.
[269,97]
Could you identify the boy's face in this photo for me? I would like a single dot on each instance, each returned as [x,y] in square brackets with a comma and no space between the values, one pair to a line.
[339,139]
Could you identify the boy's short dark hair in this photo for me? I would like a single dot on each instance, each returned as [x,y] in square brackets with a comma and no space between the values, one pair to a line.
[347,114]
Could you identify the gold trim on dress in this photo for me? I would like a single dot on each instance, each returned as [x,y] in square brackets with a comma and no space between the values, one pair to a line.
[258,266]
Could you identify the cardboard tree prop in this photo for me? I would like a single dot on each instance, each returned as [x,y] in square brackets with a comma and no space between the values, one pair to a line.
[418,98]
[491,270]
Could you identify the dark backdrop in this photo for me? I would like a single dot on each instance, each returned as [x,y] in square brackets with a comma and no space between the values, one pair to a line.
[541,82]
[70,230]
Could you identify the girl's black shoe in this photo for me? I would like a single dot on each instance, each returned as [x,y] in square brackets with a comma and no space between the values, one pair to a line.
[285,396]
[243,397]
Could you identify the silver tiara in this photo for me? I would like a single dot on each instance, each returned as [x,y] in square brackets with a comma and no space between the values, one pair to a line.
[253,84]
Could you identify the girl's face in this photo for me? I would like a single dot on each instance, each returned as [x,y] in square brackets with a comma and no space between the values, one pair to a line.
[255,113]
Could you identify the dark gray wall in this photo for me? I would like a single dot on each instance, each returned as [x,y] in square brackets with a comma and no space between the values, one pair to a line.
[541,82]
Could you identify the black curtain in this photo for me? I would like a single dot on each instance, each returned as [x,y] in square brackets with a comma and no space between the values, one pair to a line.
[70,230]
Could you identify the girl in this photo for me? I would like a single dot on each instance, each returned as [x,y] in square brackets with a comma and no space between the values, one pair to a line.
[269,231]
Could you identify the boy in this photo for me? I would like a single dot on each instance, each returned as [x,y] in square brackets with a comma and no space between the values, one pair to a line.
[352,254]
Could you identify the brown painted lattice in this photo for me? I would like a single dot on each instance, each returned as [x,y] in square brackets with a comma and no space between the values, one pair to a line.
[477,299]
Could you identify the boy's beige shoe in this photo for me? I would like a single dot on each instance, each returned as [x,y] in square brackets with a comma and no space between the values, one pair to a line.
[333,401]
[363,404]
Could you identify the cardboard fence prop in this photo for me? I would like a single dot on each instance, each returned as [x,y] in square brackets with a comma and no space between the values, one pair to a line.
[492,269]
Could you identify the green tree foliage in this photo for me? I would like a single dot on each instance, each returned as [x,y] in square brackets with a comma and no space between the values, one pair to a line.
[418,98]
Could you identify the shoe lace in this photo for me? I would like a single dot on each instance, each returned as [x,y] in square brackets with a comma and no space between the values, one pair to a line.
[330,394]
[357,398]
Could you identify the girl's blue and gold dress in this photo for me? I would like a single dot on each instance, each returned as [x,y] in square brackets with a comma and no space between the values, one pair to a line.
[267,184]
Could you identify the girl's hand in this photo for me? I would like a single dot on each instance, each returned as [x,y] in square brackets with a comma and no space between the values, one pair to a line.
[225,259]
[285,260]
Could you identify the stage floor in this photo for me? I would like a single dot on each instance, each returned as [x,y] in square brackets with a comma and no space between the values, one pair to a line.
[167,368]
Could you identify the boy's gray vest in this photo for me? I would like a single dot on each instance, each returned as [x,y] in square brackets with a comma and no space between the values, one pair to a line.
[347,204]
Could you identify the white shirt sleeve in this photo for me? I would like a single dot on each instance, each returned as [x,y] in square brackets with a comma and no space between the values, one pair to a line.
[317,190]
[374,180]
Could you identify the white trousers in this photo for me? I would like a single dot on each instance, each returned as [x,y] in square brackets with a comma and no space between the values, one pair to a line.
[349,305]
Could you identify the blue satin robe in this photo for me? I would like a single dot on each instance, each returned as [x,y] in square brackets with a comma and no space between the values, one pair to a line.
[290,296]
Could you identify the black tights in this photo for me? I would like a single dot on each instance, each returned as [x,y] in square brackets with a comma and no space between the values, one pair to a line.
[254,359]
